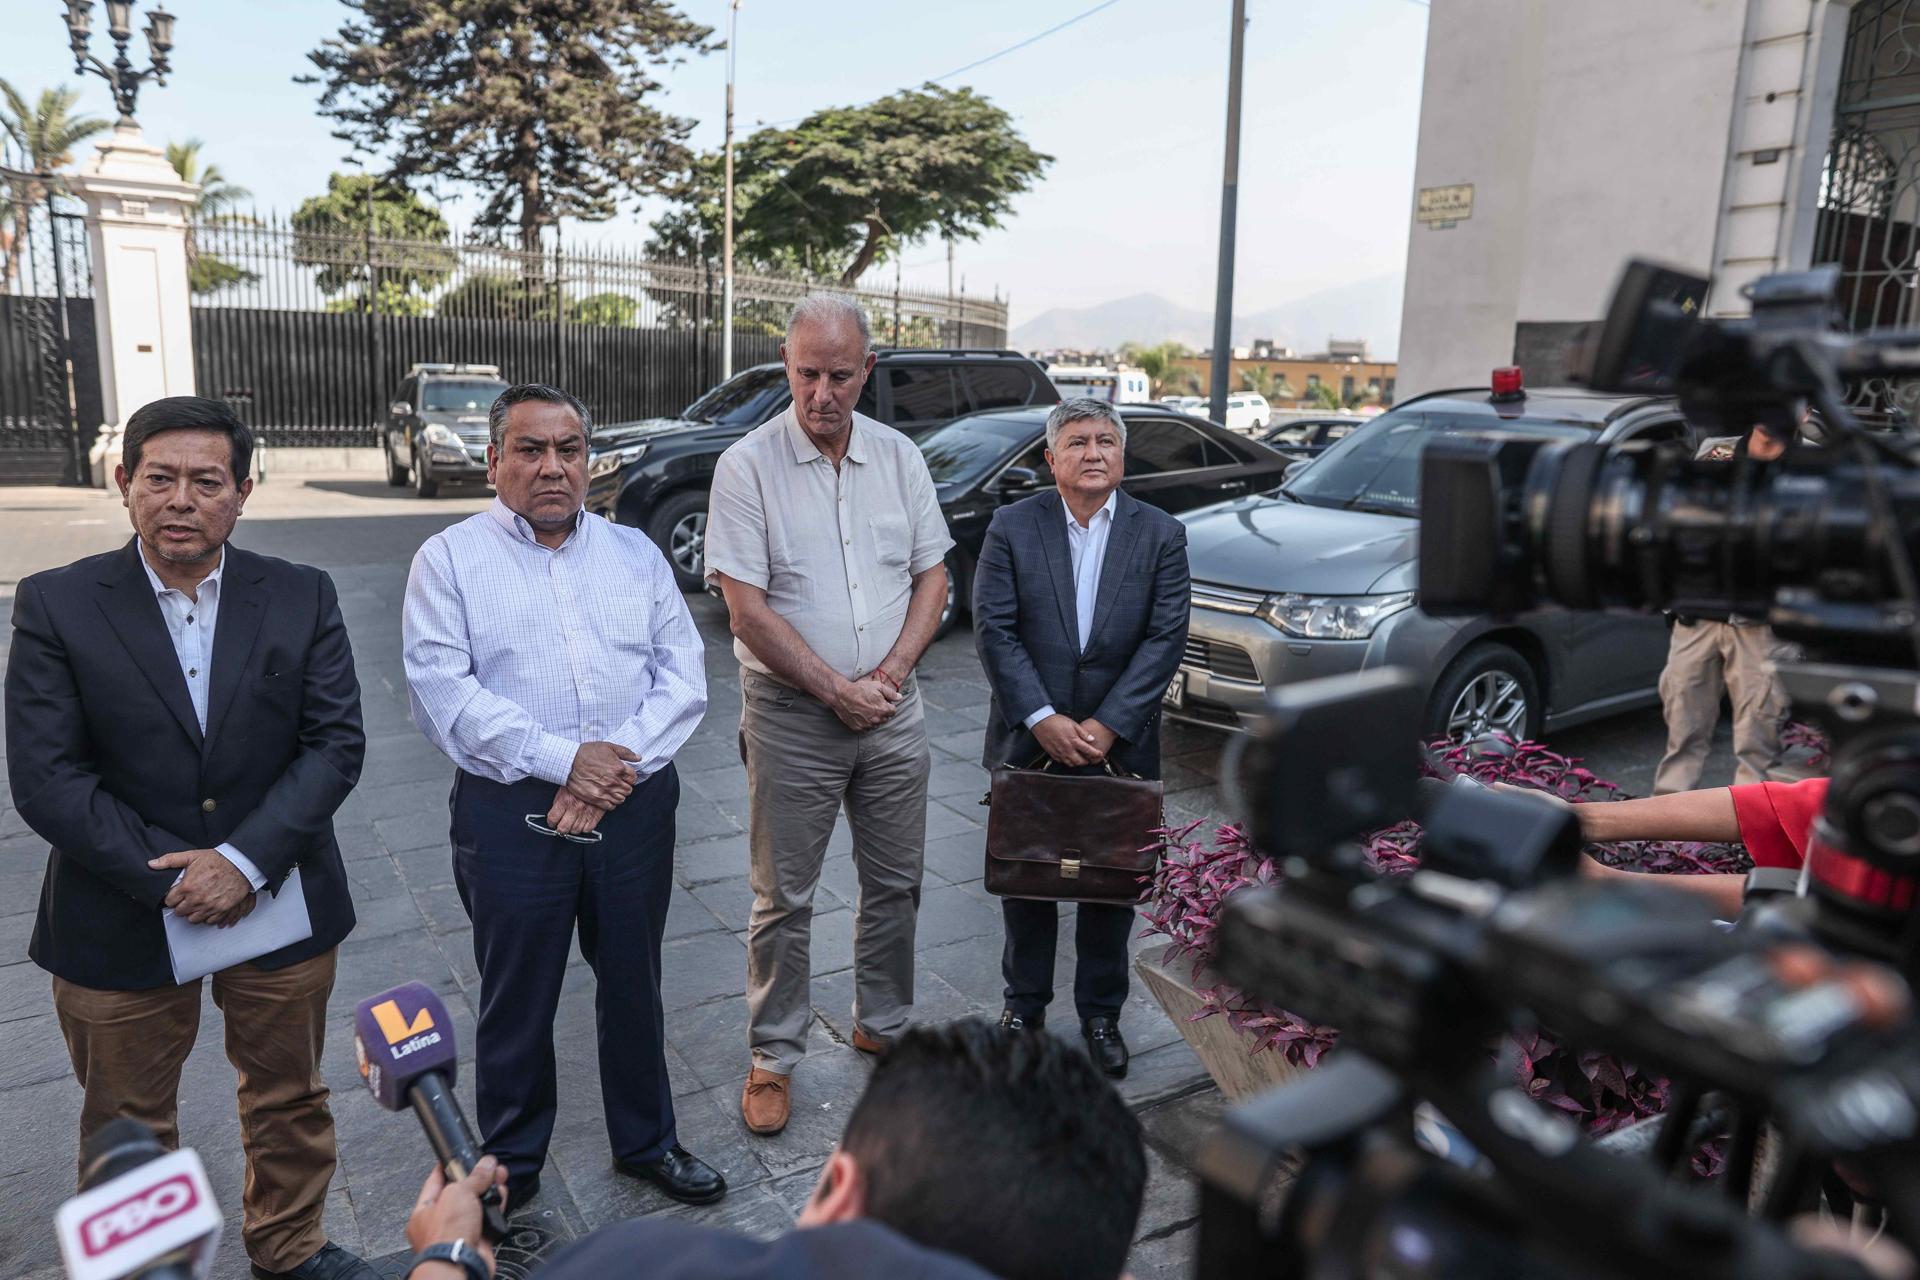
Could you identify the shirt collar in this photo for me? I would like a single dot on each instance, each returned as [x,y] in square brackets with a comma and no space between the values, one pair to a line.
[1107,509]
[517,527]
[160,588]
[805,450]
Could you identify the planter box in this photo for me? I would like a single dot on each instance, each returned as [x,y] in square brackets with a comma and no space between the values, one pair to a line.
[1222,1050]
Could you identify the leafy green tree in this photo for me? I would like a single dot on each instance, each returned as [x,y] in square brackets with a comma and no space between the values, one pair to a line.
[46,132]
[609,310]
[411,256]
[1159,362]
[1325,397]
[544,107]
[216,205]
[1264,382]
[851,186]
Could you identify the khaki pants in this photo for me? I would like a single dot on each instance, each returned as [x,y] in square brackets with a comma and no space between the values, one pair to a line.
[802,765]
[1704,658]
[128,1048]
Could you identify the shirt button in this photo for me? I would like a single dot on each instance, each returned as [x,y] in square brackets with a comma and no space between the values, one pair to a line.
[208,805]
[193,671]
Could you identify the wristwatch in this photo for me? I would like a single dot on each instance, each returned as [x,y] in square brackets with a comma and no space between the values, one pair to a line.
[458,1252]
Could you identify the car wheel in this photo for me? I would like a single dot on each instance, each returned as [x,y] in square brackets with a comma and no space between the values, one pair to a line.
[423,482]
[957,583]
[396,474]
[1489,689]
[679,529]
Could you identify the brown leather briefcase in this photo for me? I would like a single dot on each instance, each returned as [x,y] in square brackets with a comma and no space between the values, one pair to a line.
[1062,837]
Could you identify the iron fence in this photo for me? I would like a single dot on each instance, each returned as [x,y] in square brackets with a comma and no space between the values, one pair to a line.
[49,373]
[310,332]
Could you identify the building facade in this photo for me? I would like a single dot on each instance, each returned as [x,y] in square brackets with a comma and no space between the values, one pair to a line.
[1352,379]
[1559,138]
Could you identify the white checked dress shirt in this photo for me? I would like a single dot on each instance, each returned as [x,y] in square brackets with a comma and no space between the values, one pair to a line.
[517,653]
[190,625]
[1088,546]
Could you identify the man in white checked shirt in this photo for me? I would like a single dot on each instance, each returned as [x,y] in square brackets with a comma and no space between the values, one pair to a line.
[551,657]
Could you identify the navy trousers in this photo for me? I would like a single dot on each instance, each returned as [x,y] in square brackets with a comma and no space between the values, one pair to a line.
[525,892]
[1099,963]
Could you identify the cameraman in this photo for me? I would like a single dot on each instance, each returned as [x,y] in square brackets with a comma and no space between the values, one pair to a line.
[974,1151]
[1711,654]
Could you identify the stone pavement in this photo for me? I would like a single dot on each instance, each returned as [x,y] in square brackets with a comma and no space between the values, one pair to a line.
[393,831]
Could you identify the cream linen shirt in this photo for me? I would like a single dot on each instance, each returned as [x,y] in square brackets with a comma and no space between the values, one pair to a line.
[835,549]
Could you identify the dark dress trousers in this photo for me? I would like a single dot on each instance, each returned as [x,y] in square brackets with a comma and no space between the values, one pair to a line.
[1026,626]
[662,1249]
[107,761]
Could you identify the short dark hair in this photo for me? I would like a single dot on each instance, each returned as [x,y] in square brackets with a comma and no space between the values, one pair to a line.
[1007,1148]
[188,413]
[520,393]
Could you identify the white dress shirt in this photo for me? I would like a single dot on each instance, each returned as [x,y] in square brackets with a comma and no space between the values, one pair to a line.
[190,623]
[516,653]
[1087,544]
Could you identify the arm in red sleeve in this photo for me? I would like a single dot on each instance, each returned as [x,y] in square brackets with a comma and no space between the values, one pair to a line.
[1776,818]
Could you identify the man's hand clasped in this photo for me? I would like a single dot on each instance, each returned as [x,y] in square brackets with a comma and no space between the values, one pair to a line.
[1076,744]
[868,702]
[211,892]
[602,775]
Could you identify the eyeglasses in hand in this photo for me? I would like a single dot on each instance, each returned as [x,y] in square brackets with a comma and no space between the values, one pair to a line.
[538,822]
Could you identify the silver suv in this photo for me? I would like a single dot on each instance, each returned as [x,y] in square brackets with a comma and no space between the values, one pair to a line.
[436,428]
[1318,579]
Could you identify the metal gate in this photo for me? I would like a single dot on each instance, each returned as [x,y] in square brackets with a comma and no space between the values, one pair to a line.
[1869,222]
[49,366]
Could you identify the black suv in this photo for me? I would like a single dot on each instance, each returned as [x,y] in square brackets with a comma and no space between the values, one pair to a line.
[436,427]
[654,474]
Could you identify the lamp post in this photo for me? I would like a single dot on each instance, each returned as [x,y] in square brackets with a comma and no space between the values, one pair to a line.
[120,74]
[1221,372]
[726,261]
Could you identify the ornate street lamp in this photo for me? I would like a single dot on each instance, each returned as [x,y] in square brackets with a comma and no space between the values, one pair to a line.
[120,76]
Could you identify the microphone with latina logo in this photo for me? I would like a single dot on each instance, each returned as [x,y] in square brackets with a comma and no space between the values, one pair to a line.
[143,1212]
[404,1040]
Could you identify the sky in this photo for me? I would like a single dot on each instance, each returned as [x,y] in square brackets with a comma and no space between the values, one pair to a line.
[1130,102]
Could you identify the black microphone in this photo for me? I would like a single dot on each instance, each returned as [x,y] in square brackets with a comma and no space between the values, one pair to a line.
[404,1040]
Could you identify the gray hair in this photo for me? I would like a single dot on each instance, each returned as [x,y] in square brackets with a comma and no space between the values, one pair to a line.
[1079,409]
[829,308]
[520,393]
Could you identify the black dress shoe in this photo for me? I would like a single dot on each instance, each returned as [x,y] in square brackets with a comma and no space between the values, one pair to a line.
[521,1190]
[686,1178]
[331,1263]
[1109,1051]
[1011,1021]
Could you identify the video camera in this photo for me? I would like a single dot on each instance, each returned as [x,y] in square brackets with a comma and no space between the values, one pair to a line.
[1790,1038]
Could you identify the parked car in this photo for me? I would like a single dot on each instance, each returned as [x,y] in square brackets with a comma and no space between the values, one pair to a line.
[654,475]
[436,428]
[1318,579]
[1308,437]
[1183,404]
[1247,413]
[981,463]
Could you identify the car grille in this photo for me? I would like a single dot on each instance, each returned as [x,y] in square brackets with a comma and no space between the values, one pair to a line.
[1206,595]
[1221,659]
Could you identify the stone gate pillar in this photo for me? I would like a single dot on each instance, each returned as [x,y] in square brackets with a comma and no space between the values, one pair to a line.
[137,212]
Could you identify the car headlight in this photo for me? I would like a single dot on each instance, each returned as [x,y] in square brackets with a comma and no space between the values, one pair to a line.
[435,433]
[605,464]
[1331,617]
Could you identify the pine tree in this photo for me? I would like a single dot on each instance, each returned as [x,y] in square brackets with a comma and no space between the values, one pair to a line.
[543,106]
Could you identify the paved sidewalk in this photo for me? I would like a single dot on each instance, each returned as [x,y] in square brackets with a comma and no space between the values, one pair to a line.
[393,832]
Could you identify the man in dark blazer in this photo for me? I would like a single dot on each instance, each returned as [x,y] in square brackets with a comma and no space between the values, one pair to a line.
[1080,614]
[182,720]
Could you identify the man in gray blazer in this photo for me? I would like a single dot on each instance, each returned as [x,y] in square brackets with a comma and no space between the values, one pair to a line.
[1080,614]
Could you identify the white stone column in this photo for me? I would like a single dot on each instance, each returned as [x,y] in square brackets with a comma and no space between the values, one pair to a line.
[137,211]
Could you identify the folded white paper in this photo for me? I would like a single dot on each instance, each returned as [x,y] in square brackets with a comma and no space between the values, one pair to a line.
[276,921]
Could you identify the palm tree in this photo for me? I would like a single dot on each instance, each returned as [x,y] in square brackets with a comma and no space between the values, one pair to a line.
[1159,363]
[46,132]
[213,207]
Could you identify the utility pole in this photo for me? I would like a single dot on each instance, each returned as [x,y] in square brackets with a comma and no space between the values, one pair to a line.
[1229,201]
[726,263]
[954,341]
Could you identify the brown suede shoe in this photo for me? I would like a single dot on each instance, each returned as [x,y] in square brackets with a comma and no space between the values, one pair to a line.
[870,1044]
[764,1103]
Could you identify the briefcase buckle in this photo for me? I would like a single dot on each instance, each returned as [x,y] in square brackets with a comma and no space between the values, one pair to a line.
[1070,868]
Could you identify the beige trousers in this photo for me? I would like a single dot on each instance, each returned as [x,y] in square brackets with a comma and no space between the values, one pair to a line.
[803,764]
[1704,658]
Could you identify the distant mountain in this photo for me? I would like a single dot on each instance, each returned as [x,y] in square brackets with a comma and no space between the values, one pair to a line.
[1367,309]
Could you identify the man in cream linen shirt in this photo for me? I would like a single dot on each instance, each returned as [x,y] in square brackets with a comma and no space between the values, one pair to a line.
[825,535]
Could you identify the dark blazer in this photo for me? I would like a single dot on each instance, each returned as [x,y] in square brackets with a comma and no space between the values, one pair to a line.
[1026,626]
[108,764]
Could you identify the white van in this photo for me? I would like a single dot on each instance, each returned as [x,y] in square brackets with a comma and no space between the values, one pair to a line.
[1246,412]
[1124,385]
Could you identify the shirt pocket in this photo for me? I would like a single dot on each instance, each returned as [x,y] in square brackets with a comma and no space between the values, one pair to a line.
[892,538]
